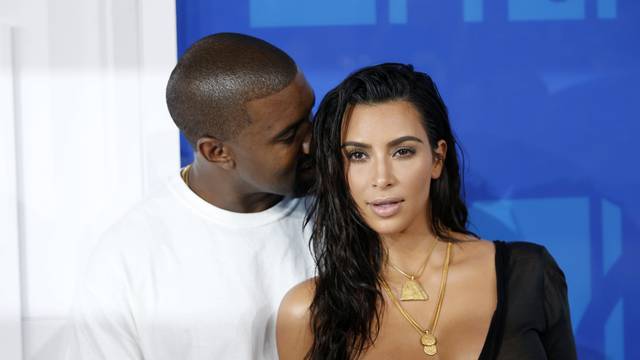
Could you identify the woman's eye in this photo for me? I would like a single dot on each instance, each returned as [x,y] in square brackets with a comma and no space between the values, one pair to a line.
[356,156]
[404,152]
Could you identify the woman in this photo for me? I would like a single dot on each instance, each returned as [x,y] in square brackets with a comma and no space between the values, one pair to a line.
[399,275]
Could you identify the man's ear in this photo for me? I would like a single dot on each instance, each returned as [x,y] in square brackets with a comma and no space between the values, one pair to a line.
[216,151]
[439,157]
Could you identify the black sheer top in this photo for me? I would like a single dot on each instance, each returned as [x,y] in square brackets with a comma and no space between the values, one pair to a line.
[532,319]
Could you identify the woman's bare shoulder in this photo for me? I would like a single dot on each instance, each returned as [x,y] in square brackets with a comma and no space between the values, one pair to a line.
[293,329]
[474,249]
[296,302]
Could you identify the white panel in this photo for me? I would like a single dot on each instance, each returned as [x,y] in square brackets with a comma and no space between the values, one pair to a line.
[46,338]
[10,299]
[92,137]
[158,44]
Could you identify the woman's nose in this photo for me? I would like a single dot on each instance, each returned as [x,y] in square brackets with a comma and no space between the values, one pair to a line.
[383,177]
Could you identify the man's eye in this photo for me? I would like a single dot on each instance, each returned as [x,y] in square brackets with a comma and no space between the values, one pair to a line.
[288,137]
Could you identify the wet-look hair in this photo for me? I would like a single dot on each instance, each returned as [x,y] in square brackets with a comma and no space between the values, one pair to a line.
[348,304]
[209,87]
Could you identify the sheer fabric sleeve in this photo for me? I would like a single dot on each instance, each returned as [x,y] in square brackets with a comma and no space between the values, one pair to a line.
[558,338]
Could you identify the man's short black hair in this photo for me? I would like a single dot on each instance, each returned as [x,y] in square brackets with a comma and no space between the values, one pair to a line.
[216,76]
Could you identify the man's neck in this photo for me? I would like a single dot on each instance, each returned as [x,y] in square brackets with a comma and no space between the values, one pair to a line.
[219,190]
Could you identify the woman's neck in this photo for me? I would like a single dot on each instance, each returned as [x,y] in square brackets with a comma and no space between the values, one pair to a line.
[408,250]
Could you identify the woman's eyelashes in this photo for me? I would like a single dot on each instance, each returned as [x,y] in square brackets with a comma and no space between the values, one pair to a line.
[404,152]
[355,155]
[358,155]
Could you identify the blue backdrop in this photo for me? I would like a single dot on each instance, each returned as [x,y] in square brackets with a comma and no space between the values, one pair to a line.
[543,95]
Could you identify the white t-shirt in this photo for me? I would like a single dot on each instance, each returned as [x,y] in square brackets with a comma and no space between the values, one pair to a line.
[179,278]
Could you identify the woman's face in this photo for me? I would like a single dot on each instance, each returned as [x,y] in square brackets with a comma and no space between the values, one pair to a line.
[389,165]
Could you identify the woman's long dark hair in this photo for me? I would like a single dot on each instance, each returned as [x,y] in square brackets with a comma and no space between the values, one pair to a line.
[347,306]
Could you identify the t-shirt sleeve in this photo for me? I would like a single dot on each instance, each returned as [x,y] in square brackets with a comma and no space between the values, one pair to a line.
[558,338]
[102,326]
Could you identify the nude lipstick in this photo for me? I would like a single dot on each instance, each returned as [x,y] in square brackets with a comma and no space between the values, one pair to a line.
[386,207]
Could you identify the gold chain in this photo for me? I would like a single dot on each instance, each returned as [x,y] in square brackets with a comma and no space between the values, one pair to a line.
[184,173]
[418,273]
[427,339]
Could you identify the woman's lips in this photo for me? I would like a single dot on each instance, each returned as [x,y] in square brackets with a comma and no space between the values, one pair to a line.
[386,207]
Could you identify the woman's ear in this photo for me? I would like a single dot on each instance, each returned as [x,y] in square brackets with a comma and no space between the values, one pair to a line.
[439,157]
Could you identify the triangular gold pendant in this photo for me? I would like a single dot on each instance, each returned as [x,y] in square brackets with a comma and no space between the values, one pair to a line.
[413,291]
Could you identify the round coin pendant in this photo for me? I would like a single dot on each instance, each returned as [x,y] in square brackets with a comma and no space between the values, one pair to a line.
[430,350]
[428,340]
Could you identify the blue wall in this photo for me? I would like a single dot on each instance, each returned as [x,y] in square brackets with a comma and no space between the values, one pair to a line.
[544,97]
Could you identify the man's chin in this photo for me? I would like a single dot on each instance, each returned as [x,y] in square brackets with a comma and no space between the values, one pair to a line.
[286,187]
[303,183]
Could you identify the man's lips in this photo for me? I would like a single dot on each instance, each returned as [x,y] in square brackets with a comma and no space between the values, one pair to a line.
[386,207]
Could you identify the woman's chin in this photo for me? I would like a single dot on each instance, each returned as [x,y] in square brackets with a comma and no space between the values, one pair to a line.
[388,228]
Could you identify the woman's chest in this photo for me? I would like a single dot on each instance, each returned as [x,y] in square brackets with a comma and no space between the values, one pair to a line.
[458,335]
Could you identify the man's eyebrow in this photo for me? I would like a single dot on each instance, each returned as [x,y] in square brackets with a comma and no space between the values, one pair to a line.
[393,142]
[291,127]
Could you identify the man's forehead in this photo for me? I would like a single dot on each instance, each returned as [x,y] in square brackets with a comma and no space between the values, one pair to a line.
[282,108]
[297,90]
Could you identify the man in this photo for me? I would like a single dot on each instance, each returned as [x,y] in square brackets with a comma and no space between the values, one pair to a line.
[197,270]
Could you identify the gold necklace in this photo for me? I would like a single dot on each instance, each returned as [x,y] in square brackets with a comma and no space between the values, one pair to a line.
[184,173]
[411,289]
[427,338]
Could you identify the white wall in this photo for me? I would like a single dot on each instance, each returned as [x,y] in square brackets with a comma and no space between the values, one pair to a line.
[10,299]
[92,136]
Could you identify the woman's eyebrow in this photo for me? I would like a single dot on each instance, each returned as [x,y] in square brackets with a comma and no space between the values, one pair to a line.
[393,142]
[355,144]
[402,139]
